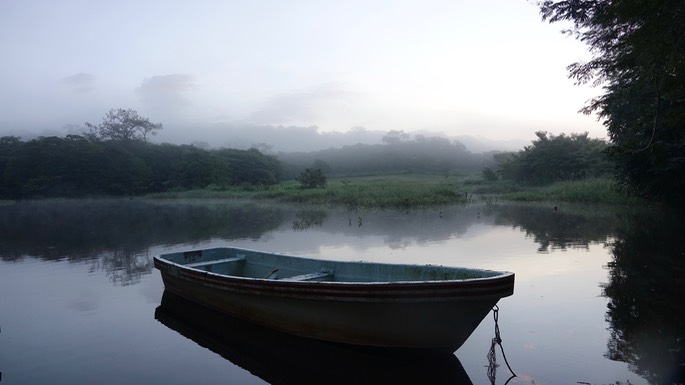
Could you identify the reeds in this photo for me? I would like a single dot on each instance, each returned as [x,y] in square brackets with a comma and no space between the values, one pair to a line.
[408,191]
[596,190]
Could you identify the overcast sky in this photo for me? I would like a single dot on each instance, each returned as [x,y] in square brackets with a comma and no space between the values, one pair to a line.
[488,68]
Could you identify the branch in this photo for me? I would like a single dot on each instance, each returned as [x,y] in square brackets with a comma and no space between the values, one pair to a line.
[656,117]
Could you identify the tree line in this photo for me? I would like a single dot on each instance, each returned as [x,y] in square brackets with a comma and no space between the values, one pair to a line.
[553,158]
[76,165]
[95,164]
[398,153]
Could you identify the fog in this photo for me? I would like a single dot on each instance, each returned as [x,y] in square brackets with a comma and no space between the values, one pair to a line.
[238,73]
[274,139]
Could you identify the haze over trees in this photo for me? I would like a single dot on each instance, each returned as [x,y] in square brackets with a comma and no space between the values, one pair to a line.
[83,165]
[398,153]
[638,49]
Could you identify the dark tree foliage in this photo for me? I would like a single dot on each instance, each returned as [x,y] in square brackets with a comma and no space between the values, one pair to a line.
[489,174]
[74,166]
[638,49]
[554,158]
[250,166]
[123,124]
[312,178]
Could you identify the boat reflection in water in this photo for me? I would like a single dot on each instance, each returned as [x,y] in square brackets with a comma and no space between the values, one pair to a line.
[280,358]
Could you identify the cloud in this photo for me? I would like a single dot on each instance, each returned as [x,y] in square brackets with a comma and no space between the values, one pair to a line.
[303,106]
[166,90]
[80,83]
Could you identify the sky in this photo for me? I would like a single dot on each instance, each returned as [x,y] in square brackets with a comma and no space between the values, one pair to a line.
[215,70]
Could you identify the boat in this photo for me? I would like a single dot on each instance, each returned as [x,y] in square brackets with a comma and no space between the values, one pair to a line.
[397,306]
[284,359]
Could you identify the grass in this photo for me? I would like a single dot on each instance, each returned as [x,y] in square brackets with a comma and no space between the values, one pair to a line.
[407,191]
[388,191]
[599,190]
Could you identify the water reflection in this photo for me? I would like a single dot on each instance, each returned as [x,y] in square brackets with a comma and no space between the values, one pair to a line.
[78,229]
[305,219]
[646,290]
[116,235]
[553,227]
[124,267]
[81,229]
[283,359]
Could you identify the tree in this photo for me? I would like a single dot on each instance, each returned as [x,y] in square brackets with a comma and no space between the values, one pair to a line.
[489,174]
[75,166]
[312,178]
[638,49]
[395,137]
[123,124]
[552,158]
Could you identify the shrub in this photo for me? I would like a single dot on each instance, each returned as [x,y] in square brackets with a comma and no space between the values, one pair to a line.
[312,178]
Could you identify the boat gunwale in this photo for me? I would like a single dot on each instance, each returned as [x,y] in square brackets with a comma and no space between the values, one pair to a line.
[499,275]
[500,285]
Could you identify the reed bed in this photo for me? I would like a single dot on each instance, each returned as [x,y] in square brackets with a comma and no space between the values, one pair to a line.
[407,191]
[598,190]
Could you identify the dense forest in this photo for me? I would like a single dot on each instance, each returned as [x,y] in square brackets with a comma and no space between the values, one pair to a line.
[95,164]
[101,164]
[77,166]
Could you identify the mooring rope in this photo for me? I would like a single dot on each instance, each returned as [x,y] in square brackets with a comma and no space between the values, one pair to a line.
[492,358]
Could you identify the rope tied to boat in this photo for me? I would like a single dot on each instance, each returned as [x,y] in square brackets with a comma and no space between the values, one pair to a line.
[492,357]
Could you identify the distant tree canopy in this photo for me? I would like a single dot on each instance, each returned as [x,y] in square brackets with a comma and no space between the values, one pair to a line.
[75,166]
[399,153]
[553,158]
[122,124]
[638,49]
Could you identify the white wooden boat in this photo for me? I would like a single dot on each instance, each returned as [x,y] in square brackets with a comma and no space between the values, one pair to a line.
[360,303]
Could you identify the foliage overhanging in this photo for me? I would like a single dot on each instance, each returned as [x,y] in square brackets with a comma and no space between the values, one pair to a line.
[638,49]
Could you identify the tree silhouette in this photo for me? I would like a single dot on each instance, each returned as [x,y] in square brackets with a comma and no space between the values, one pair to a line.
[123,124]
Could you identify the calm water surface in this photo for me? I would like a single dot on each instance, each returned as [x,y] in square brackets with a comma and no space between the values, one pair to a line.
[597,297]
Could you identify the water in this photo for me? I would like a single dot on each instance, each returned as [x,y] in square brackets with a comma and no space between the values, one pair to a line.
[597,296]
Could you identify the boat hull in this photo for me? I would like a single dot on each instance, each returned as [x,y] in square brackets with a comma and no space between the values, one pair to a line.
[408,315]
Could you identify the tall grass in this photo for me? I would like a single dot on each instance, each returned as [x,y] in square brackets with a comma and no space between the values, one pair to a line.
[408,191]
[598,190]
[387,191]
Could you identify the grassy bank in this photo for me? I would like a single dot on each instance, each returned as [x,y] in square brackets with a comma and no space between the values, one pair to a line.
[601,190]
[417,190]
[388,191]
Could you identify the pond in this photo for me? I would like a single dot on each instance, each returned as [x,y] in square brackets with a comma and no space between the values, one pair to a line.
[597,296]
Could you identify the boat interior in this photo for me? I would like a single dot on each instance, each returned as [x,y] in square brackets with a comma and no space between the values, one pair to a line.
[263,265]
